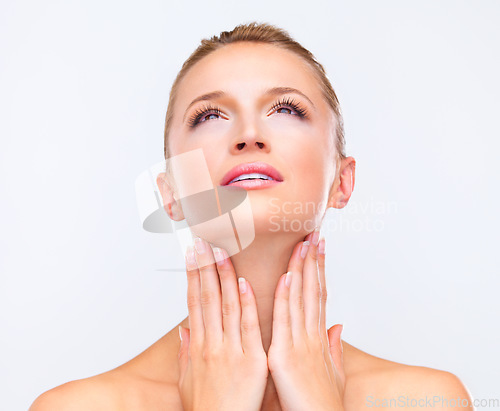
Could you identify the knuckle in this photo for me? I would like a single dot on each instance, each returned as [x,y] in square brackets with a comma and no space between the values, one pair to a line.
[192,301]
[318,293]
[229,309]
[295,268]
[285,320]
[324,294]
[204,267]
[209,354]
[194,349]
[225,272]
[299,301]
[192,274]
[248,327]
[207,297]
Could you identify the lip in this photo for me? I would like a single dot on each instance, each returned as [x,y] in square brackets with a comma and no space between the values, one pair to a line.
[254,167]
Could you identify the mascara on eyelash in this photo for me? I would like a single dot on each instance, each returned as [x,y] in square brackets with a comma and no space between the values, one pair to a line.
[195,118]
[287,101]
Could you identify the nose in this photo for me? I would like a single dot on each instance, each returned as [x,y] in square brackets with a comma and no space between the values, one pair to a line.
[250,140]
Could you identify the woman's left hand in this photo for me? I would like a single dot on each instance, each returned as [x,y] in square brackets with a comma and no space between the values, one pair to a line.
[305,361]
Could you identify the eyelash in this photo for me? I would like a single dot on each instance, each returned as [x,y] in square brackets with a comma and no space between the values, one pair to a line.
[290,102]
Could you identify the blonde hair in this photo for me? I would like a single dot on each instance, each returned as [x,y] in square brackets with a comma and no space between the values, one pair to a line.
[258,33]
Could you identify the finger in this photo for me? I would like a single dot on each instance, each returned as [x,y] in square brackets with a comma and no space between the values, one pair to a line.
[194,298]
[183,354]
[210,298]
[296,266]
[231,310]
[324,291]
[336,350]
[282,333]
[311,287]
[251,339]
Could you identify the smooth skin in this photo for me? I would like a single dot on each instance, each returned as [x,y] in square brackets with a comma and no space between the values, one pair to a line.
[223,365]
[251,127]
[173,375]
[305,360]
[222,360]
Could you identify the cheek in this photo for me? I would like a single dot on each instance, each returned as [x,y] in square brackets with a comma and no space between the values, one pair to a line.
[308,166]
[313,186]
[309,185]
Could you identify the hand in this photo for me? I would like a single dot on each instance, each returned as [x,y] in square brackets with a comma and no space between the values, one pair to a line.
[223,365]
[305,361]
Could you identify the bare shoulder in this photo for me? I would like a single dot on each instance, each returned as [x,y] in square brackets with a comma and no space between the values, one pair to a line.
[119,389]
[96,393]
[140,384]
[374,382]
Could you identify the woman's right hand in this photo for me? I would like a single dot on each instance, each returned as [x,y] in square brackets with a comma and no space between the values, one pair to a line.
[223,365]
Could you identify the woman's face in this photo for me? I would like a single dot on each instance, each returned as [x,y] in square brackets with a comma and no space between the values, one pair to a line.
[269,108]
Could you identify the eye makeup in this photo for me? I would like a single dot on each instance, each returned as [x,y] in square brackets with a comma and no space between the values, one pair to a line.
[208,110]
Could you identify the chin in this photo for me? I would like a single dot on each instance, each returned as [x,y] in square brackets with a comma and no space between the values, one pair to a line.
[271,223]
[275,214]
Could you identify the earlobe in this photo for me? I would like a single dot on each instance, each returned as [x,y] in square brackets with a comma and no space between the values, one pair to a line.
[170,203]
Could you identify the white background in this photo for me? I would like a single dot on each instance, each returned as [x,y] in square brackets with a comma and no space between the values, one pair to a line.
[84,88]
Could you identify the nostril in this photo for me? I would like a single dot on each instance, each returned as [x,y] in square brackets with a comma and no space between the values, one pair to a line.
[260,144]
[241,145]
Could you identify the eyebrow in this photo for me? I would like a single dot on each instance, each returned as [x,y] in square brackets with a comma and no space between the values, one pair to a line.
[274,91]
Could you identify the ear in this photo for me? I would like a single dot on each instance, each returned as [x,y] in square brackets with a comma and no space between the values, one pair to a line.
[170,202]
[343,184]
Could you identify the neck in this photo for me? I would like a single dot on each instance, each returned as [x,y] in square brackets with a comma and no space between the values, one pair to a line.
[262,264]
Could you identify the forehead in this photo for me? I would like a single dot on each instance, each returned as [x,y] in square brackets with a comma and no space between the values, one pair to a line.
[246,69]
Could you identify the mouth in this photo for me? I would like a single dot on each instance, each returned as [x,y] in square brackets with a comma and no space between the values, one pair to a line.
[252,175]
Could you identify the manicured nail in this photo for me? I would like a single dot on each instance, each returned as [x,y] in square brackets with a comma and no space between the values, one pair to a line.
[199,245]
[315,236]
[190,258]
[288,279]
[340,338]
[242,285]
[219,256]
[321,246]
[303,249]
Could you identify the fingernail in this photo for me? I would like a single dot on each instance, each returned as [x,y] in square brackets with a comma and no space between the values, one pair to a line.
[242,284]
[321,246]
[180,333]
[288,279]
[190,258]
[199,245]
[315,236]
[303,249]
[340,338]
[219,256]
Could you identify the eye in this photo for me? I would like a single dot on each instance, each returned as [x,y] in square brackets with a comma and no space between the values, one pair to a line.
[290,105]
[203,115]
[212,113]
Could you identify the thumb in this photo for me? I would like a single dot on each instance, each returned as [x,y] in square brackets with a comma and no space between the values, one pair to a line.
[336,349]
[183,350]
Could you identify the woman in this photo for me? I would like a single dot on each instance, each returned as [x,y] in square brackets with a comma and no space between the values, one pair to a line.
[268,123]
